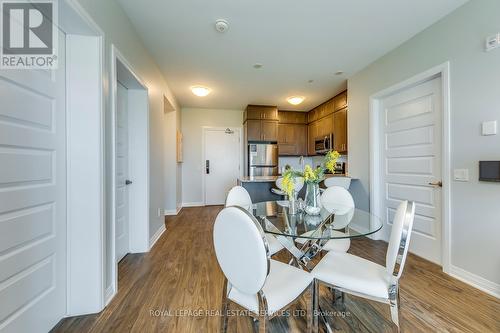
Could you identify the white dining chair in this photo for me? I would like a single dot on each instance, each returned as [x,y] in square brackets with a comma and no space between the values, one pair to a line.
[360,277]
[261,286]
[344,182]
[338,201]
[239,196]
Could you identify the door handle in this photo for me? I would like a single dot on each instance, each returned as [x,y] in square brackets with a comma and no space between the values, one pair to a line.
[207,167]
[128,182]
[438,183]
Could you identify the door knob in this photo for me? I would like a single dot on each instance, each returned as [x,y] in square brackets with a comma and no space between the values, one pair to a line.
[439,183]
[128,182]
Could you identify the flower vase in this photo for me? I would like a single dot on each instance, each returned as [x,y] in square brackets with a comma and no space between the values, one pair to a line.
[312,199]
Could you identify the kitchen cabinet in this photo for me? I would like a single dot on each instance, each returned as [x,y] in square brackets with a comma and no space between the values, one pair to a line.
[260,112]
[312,115]
[261,130]
[340,101]
[325,126]
[292,117]
[312,134]
[292,139]
[340,130]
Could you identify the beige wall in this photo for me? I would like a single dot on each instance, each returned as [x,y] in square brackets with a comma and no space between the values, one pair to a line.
[475,97]
[119,31]
[193,120]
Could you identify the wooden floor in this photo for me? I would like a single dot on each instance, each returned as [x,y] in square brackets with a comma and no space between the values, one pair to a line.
[177,288]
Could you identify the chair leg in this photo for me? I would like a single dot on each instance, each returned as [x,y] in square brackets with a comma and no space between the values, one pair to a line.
[225,307]
[263,324]
[394,303]
[315,306]
[310,308]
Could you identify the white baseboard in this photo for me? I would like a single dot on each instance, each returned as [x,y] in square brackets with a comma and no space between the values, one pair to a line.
[108,296]
[193,204]
[171,212]
[156,236]
[476,281]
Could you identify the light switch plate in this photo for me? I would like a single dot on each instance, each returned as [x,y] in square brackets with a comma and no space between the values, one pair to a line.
[461,175]
[489,127]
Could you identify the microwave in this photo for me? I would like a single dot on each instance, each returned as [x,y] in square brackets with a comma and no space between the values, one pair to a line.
[323,145]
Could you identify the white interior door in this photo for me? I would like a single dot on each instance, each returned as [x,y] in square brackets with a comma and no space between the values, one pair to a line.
[122,209]
[33,198]
[223,155]
[411,148]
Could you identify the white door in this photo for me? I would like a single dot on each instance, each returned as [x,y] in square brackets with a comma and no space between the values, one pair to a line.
[222,164]
[411,161]
[33,198]
[122,216]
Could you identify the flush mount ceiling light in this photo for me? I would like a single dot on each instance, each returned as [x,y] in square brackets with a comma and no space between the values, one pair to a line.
[200,91]
[295,100]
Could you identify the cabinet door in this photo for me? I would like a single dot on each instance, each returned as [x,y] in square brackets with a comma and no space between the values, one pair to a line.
[340,101]
[282,133]
[269,113]
[312,115]
[300,134]
[269,130]
[252,112]
[340,130]
[253,130]
[312,134]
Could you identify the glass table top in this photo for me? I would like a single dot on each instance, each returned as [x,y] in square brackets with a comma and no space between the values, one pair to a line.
[275,218]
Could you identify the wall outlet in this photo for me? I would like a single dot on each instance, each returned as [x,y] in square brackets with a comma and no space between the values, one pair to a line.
[160,212]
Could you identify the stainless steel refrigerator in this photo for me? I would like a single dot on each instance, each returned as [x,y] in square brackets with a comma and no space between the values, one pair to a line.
[262,159]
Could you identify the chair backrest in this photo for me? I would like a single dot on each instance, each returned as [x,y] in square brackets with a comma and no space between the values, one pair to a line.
[238,196]
[299,183]
[344,182]
[338,200]
[399,242]
[241,249]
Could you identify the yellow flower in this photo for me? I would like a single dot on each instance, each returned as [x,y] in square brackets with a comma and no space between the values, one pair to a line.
[288,183]
[309,174]
[331,159]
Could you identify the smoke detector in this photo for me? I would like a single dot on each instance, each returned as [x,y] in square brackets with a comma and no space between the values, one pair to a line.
[221,25]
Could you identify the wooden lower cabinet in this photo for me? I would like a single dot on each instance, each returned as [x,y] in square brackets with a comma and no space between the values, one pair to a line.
[340,130]
[292,139]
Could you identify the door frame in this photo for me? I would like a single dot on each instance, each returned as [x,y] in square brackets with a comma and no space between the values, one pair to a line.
[376,203]
[138,232]
[204,130]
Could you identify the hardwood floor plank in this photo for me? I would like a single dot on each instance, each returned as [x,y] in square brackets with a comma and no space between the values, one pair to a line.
[181,274]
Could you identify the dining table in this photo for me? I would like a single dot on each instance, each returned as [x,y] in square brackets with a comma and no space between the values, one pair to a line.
[304,235]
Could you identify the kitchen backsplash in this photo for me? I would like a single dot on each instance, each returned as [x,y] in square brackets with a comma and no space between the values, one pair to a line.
[294,162]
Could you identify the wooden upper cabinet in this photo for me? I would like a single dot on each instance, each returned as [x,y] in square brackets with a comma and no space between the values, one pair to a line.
[340,101]
[260,112]
[253,130]
[312,115]
[292,139]
[312,134]
[340,130]
[292,117]
[269,130]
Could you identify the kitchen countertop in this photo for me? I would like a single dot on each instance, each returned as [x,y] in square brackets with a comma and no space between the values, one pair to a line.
[272,179]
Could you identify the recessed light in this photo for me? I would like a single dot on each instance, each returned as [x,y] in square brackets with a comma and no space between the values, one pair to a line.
[295,100]
[200,91]
[257,66]
[310,81]
[221,25]
[339,73]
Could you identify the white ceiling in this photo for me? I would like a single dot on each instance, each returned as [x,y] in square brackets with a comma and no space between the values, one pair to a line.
[295,40]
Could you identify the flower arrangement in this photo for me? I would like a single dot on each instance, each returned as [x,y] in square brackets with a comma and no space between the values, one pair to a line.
[310,175]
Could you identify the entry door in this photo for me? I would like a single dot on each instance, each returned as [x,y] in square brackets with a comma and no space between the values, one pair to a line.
[221,165]
[122,216]
[33,198]
[411,162]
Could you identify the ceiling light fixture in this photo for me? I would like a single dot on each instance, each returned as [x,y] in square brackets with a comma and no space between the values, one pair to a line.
[258,66]
[295,100]
[200,91]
